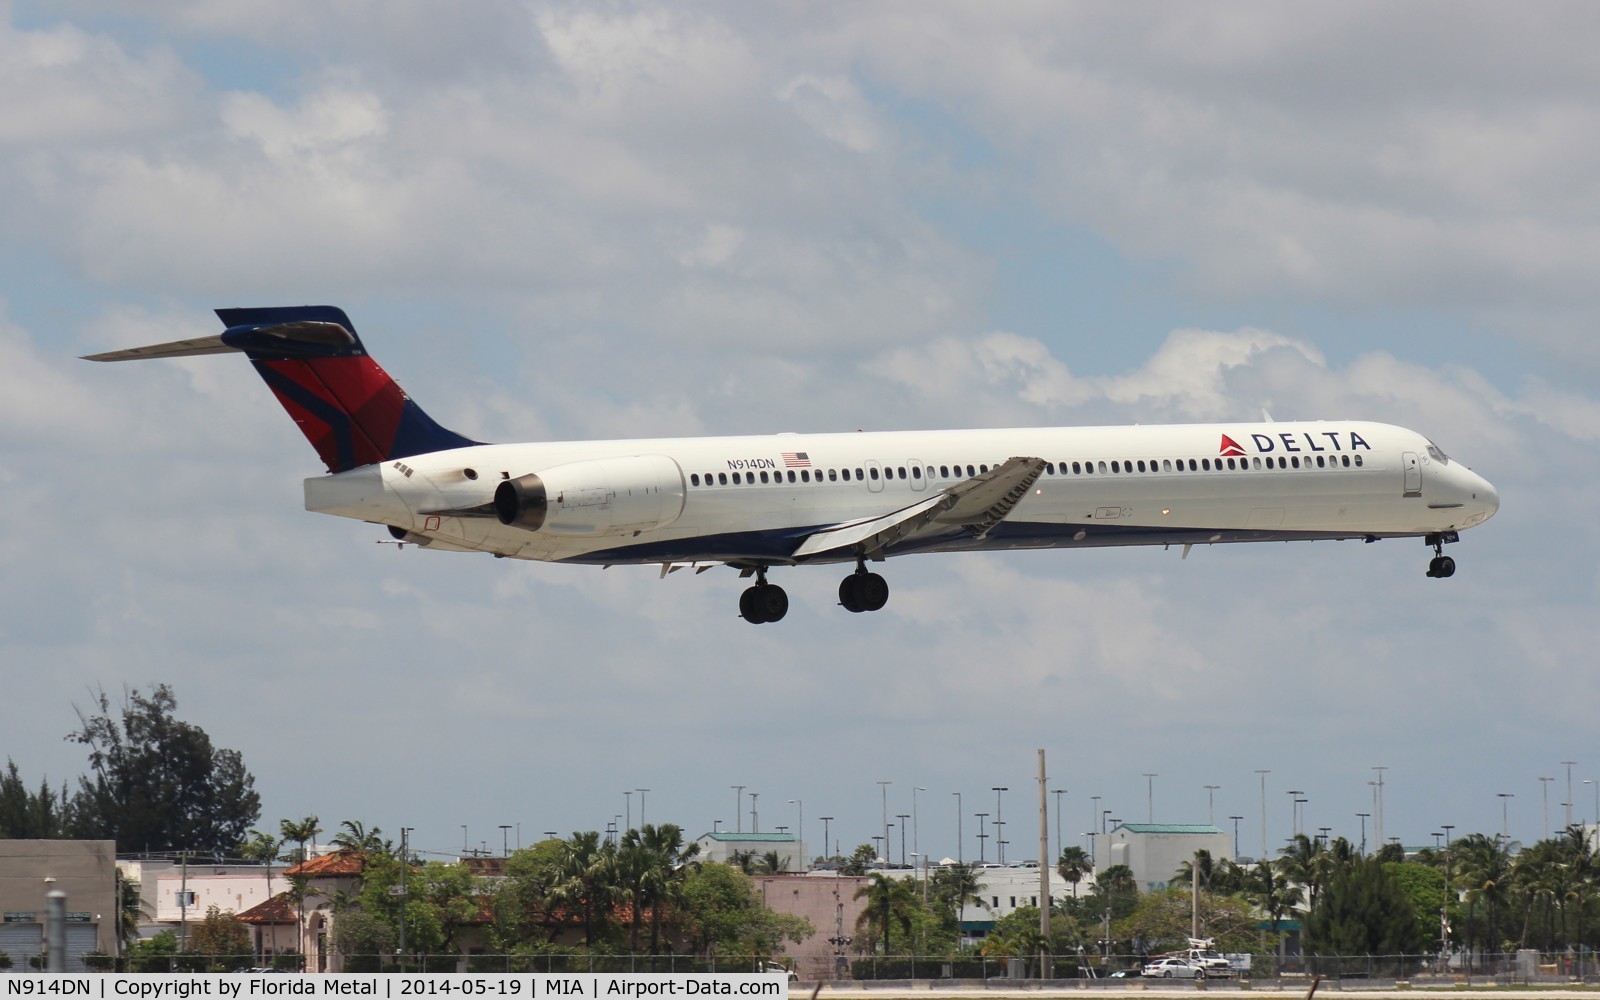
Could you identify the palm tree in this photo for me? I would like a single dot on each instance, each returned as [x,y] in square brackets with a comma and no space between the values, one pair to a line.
[1483,871]
[585,879]
[889,901]
[303,832]
[354,836]
[1273,894]
[1073,865]
[953,888]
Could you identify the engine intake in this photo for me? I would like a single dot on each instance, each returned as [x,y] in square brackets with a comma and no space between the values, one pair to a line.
[609,496]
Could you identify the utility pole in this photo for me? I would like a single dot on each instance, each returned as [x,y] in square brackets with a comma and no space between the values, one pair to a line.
[738,807]
[1044,872]
[1263,774]
[1569,764]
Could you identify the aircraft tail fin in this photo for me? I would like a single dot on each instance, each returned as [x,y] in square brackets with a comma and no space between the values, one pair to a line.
[348,407]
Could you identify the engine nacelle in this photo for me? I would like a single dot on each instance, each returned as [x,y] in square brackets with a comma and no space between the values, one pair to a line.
[607,496]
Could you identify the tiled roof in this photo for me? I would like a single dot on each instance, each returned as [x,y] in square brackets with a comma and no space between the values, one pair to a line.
[341,863]
[277,910]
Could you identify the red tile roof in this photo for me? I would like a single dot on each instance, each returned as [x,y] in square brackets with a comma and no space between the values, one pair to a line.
[341,863]
[277,910]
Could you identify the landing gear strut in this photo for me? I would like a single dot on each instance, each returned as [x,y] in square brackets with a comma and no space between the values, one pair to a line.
[863,591]
[763,603]
[1441,565]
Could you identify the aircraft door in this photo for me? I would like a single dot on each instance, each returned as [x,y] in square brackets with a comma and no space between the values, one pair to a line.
[874,476]
[919,482]
[1413,474]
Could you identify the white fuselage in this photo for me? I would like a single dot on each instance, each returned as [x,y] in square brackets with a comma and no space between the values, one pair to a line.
[755,499]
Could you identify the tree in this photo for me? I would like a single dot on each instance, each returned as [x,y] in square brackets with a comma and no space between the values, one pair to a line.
[303,833]
[585,881]
[723,915]
[25,815]
[1073,865]
[889,901]
[157,783]
[1162,920]
[1483,872]
[354,836]
[223,939]
[952,889]
[1273,894]
[1362,911]
[859,861]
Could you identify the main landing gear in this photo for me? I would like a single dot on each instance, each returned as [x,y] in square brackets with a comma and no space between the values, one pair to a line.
[863,591]
[1441,565]
[763,603]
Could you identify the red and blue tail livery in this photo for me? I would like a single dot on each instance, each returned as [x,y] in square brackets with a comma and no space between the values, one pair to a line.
[765,503]
[348,407]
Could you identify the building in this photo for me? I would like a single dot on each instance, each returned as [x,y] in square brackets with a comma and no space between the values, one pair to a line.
[1156,851]
[724,847]
[85,870]
[829,902]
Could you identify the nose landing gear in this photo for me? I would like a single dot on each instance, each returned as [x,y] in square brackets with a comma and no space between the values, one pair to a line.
[1441,566]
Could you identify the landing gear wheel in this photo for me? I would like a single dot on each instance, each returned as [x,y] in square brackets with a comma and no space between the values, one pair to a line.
[863,591]
[763,603]
[1441,567]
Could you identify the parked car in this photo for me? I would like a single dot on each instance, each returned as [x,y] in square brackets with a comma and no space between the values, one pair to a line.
[1173,968]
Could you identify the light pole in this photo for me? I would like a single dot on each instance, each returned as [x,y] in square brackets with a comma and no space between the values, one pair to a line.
[800,831]
[1444,904]
[405,863]
[1505,828]
[1363,832]
[960,860]
[1544,783]
[981,837]
[1061,845]
[1211,804]
[1263,774]
[884,787]
[1379,827]
[1294,810]
[915,830]
[1596,784]
[999,821]
[825,849]
[755,817]
[627,807]
[505,840]
[641,792]
[738,807]
[902,817]
[1150,796]
[1236,820]
[1569,764]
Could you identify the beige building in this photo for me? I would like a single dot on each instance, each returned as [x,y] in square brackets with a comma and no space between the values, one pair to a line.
[85,870]
[1155,851]
[829,902]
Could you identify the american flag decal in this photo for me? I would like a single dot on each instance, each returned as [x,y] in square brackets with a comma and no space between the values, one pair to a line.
[796,460]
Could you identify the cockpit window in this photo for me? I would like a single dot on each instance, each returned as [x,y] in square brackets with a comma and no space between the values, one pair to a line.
[1437,454]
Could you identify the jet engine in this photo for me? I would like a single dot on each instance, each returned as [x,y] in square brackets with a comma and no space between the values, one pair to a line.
[607,496]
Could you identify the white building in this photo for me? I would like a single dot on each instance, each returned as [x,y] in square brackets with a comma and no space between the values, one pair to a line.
[1155,851]
[724,846]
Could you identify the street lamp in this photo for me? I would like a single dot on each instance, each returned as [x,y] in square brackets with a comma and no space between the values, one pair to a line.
[1061,845]
[1236,820]
[505,840]
[1363,831]
[738,808]
[641,792]
[825,821]
[627,807]
[800,830]
[902,817]
[755,817]
[961,860]
[1596,784]
[1505,828]
[1211,804]
[884,787]
[1569,764]
[1444,904]
[1150,795]
[1263,774]
[1544,783]
[1294,810]
[981,836]
[999,848]
[915,847]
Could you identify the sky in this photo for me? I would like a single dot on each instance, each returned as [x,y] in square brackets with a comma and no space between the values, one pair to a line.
[568,221]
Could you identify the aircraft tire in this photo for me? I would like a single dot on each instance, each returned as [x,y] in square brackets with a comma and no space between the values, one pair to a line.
[850,593]
[1447,567]
[873,591]
[763,603]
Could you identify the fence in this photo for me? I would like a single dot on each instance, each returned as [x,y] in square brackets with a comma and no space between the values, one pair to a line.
[1483,969]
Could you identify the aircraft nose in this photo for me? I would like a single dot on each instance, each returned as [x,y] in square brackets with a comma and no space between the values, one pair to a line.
[1484,493]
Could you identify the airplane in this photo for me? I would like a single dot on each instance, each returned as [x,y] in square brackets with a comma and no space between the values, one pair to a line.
[759,502]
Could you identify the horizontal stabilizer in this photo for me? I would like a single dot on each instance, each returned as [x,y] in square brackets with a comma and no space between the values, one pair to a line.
[175,349]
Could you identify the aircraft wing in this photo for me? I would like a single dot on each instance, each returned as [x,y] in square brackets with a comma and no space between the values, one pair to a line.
[976,505]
